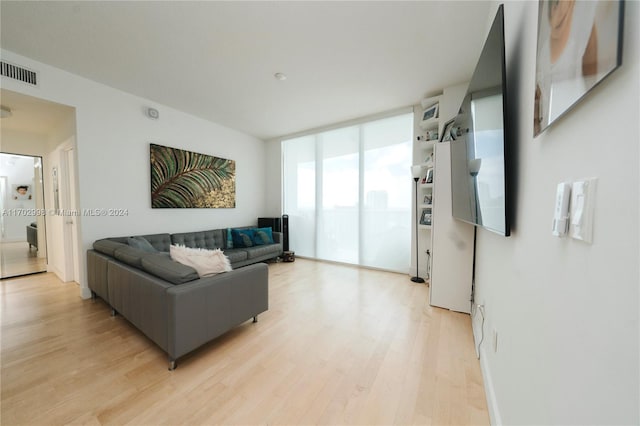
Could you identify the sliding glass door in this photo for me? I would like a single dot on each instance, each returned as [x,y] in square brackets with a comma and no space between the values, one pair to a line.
[347,192]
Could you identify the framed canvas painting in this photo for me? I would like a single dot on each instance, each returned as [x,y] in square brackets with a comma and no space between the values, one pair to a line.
[579,45]
[185,179]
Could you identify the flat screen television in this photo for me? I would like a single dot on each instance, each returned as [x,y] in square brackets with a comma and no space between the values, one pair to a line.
[478,145]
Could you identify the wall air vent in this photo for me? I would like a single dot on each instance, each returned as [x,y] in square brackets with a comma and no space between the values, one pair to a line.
[18,73]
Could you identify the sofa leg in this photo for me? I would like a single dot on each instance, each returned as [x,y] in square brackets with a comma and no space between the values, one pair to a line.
[172,364]
[255,319]
[94,296]
[114,312]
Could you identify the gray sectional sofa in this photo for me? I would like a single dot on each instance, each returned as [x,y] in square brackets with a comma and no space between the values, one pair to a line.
[168,301]
[32,235]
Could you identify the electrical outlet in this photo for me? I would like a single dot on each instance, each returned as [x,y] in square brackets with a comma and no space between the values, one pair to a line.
[495,340]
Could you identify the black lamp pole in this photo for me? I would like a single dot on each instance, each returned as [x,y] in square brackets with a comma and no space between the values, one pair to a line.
[417,278]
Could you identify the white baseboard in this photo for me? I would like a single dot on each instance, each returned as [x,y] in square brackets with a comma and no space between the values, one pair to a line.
[51,268]
[492,404]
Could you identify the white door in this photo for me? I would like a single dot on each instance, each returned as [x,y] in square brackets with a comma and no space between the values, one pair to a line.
[70,219]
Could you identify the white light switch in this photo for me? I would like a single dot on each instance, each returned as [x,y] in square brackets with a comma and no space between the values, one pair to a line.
[582,207]
[561,210]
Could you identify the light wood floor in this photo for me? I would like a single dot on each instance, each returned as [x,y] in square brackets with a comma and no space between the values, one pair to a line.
[17,258]
[339,345]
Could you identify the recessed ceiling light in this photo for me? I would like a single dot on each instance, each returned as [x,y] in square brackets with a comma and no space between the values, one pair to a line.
[280,76]
[5,112]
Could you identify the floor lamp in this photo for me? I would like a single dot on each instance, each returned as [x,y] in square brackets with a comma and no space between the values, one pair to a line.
[416,171]
[474,169]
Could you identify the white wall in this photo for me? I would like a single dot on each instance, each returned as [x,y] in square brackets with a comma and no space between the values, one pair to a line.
[113,136]
[566,313]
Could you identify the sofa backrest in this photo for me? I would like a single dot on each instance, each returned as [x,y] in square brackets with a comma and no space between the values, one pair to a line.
[160,242]
[209,240]
[159,264]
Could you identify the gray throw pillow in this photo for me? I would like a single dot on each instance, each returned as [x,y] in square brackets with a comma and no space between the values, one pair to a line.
[162,266]
[107,246]
[141,243]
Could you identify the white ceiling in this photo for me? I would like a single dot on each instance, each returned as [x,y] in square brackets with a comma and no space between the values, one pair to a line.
[216,60]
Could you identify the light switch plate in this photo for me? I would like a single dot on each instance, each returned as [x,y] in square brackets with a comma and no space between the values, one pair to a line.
[583,197]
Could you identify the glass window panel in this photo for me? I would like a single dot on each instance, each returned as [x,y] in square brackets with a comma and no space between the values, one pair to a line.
[325,180]
[338,216]
[299,176]
[386,230]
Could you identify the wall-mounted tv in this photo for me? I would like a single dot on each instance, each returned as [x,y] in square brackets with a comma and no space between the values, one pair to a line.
[478,146]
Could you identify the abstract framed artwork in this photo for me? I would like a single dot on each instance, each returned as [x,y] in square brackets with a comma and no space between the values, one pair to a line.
[185,179]
[579,45]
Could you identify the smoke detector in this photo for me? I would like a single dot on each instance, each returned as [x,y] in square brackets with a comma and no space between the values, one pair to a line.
[153,113]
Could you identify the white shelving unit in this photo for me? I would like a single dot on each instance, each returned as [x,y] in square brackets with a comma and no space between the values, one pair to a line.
[427,138]
[449,241]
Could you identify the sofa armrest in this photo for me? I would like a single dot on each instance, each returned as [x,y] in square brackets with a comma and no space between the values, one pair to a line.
[202,310]
[140,298]
[97,273]
[32,236]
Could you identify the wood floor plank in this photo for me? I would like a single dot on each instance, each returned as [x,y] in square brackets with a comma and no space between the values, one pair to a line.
[338,345]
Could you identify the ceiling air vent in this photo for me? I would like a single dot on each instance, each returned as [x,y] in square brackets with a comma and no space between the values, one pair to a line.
[18,73]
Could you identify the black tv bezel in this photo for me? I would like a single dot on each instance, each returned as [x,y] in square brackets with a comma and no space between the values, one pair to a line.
[507,212]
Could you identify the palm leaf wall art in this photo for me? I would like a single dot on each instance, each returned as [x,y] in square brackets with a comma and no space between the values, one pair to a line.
[185,179]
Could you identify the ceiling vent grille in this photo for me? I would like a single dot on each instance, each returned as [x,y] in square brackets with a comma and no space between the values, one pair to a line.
[18,73]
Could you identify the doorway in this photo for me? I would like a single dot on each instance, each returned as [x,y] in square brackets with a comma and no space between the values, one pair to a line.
[23,248]
[46,130]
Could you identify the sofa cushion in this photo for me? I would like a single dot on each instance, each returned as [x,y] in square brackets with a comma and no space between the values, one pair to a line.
[236,255]
[209,240]
[205,262]
[142,244]
[263,236]
[130,255]
[242,237]
[264,250]
[107,246]
[162,266]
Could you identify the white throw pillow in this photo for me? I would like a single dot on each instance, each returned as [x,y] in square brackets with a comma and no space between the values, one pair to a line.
[205,262]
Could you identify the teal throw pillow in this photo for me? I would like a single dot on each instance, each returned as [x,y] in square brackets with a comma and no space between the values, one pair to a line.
[263,236]
[141,243]
[229,239]
[242,237]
